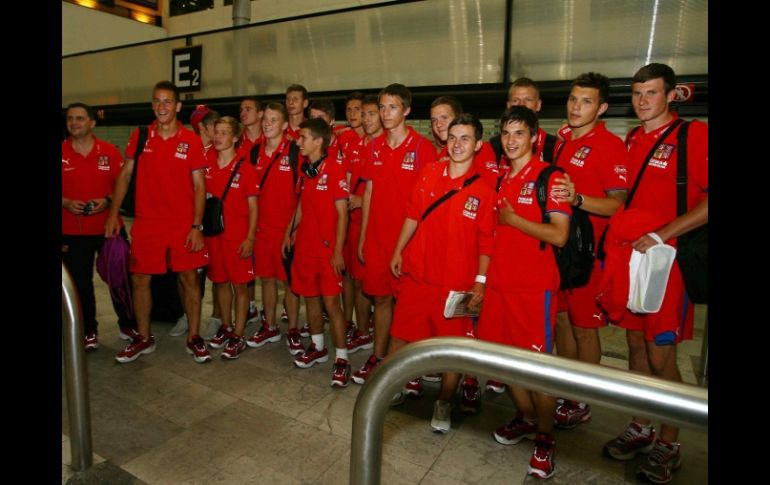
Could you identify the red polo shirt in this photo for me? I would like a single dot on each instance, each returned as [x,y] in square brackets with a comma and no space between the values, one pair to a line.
[236,206]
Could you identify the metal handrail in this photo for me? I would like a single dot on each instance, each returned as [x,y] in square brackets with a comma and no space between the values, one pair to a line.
[621,390]
[75,374]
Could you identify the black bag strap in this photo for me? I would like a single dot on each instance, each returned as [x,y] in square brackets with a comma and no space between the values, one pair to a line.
[140,142]
[681,169]
[254,154]
[558,153]
[646,162]
[449,194]
[541,190]
[232,176]
[550,142]
[497,147]
[276,154]
[294,160]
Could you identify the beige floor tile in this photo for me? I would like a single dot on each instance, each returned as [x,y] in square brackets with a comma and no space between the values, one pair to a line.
[333,414]
[394,472]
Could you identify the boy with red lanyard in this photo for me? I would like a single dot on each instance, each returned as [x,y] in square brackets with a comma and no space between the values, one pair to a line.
[89,168]
[397,157]
[167,230]
[653,337]
[276,203]
[445,249]
[317,232]
[230,261]
[523,280]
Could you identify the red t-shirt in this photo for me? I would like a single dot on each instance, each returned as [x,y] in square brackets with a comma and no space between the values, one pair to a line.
[277,198]
[657,190]
[236,206]
[245,144]
[518,263]
[597,162]
[317,230]
[164,178]
[87,178]
[484,163]
[393,172]
[357,153]
[445,248]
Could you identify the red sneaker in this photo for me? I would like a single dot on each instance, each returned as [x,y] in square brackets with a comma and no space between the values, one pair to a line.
[359,376]
[137,347]
[311,357]
[571,413]
[541,464]
[264,335]
[359,341]
[293,341]
[495,386]
[413,388]
[128,334]
[341,373]
[304,332]
[92,343]
[234,348]
[220,338]
[515,431]
[197,348]
[470,401]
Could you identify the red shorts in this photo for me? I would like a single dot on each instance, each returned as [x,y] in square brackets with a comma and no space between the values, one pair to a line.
[673,323]
[522,319]
[378,280]
[313,276]
[224,263]
[267,254]
[353,265]
[580,303]
[156,247]
[419,313]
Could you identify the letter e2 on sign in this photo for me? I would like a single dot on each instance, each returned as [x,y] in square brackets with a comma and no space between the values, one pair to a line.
[186,68]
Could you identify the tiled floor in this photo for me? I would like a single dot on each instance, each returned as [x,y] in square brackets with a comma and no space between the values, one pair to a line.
[164,419]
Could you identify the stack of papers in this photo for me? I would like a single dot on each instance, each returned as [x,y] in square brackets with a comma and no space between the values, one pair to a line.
[457,305]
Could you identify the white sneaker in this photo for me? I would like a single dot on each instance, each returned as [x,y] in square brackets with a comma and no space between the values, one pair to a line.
[180,328]
[442,417]
[213,328]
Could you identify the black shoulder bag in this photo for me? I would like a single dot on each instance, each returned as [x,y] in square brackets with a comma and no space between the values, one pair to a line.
[128,206]
[213,211]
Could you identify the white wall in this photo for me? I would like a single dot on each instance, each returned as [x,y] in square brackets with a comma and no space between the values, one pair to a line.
[85,29]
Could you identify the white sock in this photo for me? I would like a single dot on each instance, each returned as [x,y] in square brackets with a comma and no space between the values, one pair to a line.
[318,340]
[342,353]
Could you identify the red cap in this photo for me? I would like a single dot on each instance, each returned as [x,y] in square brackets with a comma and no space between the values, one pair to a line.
[195,118]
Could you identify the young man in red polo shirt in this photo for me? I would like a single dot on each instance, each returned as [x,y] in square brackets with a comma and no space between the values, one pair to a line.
[360,337]
[230,263]
[277,201]
[296,102]
[397,156]
[447,249]
[597,182]
[653,337]
[167,230]
[523,280]
[89,168]
[324,109]
[318,235]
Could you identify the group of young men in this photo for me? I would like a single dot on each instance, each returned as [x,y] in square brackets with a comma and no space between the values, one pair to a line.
[372,211]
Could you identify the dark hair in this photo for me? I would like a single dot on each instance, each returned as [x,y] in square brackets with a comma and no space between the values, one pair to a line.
[257,103]
[399,90]
[90,112]
[371,99]
[280,108]
[520,114]
[168,86]
[318,129]
[470,120]
[523,82]
[358,95]
[596,81]
[210,118]
[450,101]
[654,71]
[326,105]
[297,87]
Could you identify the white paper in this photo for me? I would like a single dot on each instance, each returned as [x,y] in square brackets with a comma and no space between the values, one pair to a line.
[457,305]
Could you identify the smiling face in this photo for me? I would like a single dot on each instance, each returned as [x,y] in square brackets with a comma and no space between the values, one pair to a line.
[440,117]
[461,143]
[79,124]
[273,123]
[165,106]
[516,140]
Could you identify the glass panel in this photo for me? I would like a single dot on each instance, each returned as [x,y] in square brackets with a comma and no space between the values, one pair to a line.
[560,39]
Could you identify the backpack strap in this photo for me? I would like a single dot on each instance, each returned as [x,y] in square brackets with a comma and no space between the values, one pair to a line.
[448,195]
[254,154]
[497,147]
[681,169]
[294,160]
[646,162]
[541,190]
[128,204]
[548,146]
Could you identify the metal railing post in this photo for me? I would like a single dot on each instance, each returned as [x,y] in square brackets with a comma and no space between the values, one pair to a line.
[621,390]
[75,375]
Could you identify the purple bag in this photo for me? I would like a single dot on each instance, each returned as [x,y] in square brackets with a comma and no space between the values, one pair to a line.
[112,266]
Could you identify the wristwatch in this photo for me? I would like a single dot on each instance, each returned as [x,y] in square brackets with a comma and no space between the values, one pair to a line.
[578,200]
[198,226]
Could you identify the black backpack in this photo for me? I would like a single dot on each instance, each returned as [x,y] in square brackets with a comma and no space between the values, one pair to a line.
[128,207]
[576,259]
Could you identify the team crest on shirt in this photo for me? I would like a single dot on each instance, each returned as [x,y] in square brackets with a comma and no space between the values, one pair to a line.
[621,171]
[322,182]
[181,150]
[285,164]
[408,162]
[471,207]
[579,158]
[236,181]
[103,162]
[662,154]
[527,188]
